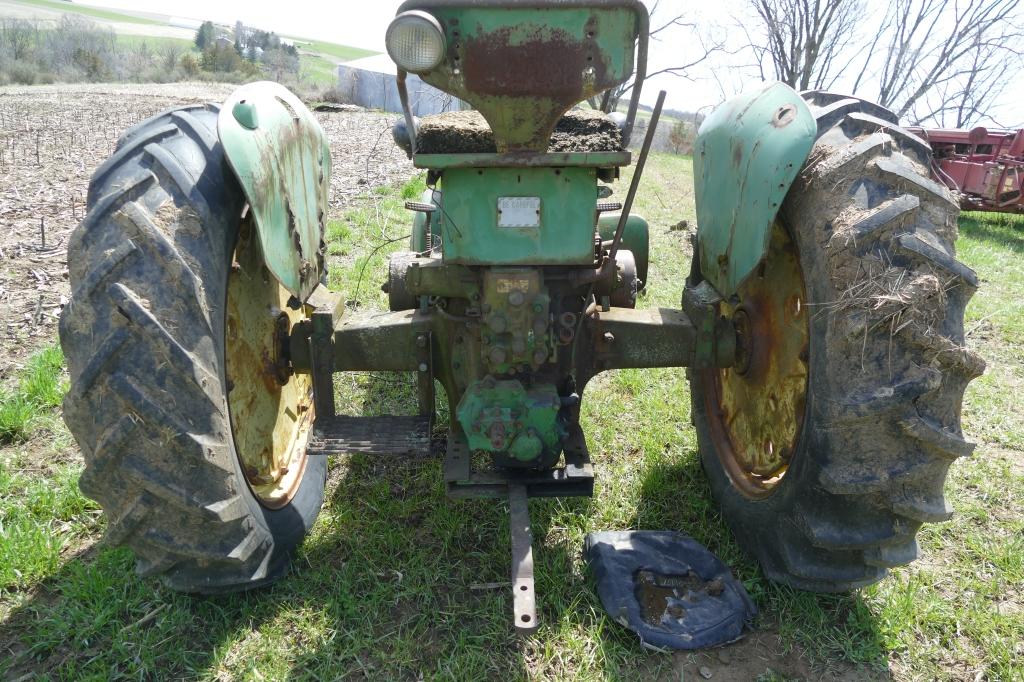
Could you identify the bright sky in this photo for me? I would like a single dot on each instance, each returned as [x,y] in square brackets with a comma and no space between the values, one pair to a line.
[362,24]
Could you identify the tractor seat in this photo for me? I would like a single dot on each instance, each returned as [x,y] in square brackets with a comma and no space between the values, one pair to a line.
[466,132]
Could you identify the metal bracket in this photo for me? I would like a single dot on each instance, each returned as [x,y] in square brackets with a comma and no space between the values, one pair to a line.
[715,341]
[425,375]
[574,479]
[321,351]
[524,598]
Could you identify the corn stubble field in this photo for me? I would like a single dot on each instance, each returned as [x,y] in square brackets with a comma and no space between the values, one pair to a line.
[393,581]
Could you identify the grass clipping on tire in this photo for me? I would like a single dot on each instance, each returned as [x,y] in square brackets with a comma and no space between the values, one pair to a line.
[883,294]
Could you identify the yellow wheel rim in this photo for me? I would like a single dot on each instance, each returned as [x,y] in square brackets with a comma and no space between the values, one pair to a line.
[756,407]
[271,410]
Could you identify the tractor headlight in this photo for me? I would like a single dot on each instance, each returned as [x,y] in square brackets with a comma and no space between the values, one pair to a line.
[415,41]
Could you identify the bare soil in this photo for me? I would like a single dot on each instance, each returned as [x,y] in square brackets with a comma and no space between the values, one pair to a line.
[761,655]
[51,140]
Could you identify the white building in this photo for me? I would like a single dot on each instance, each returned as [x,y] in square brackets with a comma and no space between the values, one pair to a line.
[371,82]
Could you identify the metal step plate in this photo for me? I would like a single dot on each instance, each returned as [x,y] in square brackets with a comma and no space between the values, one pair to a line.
[387,435]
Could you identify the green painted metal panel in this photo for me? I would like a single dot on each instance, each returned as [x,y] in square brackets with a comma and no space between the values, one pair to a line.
[282,159]
[422,223]
[523,67]
[564,234]
[502,416]
[748,152]
[635,238]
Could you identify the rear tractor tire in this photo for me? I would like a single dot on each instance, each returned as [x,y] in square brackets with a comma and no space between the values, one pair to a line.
[827,445]
[194,446]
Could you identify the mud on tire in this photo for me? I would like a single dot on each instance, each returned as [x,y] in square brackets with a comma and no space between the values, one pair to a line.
[886,369]
[145,345]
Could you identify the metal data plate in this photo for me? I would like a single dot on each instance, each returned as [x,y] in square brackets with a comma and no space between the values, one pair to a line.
[518,211]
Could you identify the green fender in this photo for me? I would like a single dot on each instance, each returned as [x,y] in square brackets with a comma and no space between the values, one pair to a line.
[635,238]
[281,157]
[748,152]
[422,223]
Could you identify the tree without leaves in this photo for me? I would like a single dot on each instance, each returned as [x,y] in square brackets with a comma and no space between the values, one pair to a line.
[170,54]
[18,37]
[945,59]
[280,64]
[804,38]
[931,60]
[681,137]
[659,28]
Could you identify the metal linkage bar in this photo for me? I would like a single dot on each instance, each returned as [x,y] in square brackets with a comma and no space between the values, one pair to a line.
[647,337]
[425,376]
[376,341]
[524,598]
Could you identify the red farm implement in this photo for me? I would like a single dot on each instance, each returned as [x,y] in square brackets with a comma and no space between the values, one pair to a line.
[986,168]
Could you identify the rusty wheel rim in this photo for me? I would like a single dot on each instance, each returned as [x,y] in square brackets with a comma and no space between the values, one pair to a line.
[271,410]
[756,408]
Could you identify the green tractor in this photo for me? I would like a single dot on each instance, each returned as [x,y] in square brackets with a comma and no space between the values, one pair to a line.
[821,325]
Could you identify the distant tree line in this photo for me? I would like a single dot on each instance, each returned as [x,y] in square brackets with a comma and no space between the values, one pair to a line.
[77,49]
[246,51]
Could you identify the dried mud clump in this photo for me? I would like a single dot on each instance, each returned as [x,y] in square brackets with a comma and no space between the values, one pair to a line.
[582,130]
[466,132]
[454,132]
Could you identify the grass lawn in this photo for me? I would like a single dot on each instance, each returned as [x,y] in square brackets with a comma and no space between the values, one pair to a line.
[317,70]
[341,53]
[387,585]
[156,42]
[95,12]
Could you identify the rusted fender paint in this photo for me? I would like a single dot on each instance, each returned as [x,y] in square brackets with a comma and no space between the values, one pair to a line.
[282,159]
[748,152]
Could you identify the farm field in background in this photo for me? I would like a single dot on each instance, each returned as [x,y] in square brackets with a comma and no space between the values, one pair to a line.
[392,583]
[137,32]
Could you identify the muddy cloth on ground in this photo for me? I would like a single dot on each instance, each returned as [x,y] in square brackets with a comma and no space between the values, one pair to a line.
[466,132]
[668,588]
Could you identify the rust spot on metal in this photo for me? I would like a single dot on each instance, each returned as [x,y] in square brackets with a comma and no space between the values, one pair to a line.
[523,79]
[737,153]
[756,407]
[547,66]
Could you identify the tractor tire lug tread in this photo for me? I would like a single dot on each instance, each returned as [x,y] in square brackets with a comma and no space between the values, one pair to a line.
[892,213]
[906,140]
[899,174]
[910,242]
[822,101]
[102,174]
[147,402]
[892,556]
[882,423]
